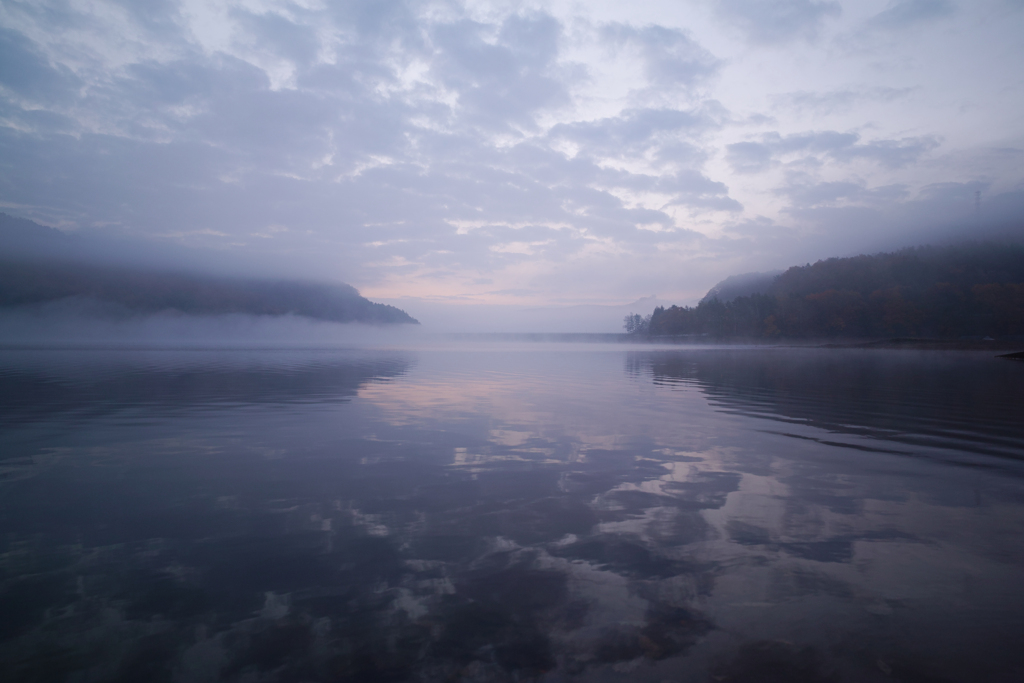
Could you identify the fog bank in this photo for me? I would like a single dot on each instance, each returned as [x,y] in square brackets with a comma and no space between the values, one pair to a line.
[71,322]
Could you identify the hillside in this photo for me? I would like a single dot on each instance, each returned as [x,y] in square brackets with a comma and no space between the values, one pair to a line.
[33,273]
[741,285]
[946,292]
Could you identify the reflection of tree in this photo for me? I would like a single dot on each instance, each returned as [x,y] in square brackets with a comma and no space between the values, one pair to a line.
[1002,306]
[28,394]
[937,292]
[830,389]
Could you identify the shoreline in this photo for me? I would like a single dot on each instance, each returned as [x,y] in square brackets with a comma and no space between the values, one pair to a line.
[1002,348]
[914,344]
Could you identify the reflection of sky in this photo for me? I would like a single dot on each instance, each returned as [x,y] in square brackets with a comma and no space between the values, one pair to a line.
[615,520]
[828,523]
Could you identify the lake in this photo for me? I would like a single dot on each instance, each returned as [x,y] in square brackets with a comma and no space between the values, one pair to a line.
[511,511]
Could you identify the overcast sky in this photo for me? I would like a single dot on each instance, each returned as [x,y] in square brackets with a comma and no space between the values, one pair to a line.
[515,152]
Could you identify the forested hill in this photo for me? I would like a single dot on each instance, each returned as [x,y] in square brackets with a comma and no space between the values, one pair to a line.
[140,291]
[955,291]
[38,265]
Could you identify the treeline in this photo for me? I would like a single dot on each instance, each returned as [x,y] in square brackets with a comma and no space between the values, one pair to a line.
[973,290]
[138,291]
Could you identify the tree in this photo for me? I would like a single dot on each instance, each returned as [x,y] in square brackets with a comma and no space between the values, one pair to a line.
[636,323]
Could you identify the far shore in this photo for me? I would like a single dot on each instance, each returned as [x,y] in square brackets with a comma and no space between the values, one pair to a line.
[909,343]
[927,344]
[1000,347]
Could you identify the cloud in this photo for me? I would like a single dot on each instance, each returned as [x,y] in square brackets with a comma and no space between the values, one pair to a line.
[26,72]
[862,219]
[452,149]
[832,101]
[633,130]
[749,157]
[273,32]
[906,14]
[888,153]
[777,21]
[757,157]
[671,58]
[846,193]
[503,82]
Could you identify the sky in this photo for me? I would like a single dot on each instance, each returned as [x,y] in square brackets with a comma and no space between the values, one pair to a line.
[456,155]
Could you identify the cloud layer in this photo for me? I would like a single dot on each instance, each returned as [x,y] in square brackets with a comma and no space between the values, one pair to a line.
[511,153]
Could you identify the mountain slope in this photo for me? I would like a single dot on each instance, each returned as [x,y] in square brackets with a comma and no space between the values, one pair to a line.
[36,267]
[742,285]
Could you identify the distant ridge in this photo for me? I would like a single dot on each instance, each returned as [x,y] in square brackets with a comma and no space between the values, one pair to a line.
[25,237]
[37,267]
[742,285]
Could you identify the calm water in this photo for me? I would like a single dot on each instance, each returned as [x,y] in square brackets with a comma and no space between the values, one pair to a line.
[510,513]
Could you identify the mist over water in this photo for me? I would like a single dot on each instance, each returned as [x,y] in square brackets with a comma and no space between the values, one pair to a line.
[74,321]
[510,511]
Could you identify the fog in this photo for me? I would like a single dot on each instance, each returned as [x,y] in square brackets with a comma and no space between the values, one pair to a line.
[77,322]
[500,166]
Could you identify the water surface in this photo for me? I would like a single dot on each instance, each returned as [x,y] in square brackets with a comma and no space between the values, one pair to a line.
[509,512]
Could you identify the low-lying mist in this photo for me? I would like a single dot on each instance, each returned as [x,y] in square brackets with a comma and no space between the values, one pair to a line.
[56,288]
[89,322]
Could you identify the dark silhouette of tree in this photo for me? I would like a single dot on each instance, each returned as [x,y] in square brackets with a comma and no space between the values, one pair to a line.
[636,323]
